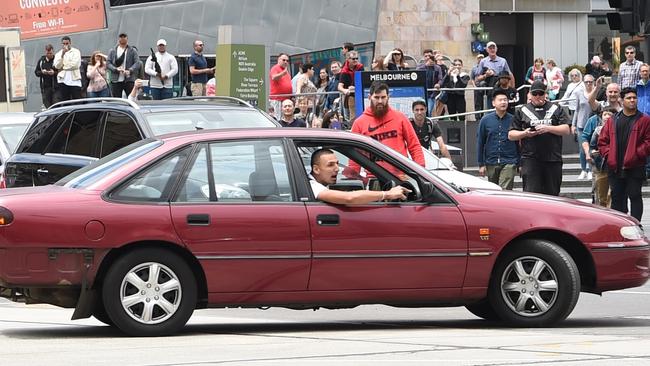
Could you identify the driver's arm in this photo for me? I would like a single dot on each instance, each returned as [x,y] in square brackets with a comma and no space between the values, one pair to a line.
[362,196]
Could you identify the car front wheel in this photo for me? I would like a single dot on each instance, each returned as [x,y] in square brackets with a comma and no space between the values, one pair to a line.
[536,283]
[149,292]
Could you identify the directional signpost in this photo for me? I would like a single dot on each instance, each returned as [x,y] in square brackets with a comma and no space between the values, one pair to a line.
[241,72]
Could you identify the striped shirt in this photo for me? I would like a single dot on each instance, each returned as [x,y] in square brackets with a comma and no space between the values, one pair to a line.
[628,74]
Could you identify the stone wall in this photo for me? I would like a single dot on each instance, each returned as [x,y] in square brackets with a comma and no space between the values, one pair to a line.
[415,25]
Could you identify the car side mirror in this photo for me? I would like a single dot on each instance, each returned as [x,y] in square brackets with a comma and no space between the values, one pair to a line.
[431,194]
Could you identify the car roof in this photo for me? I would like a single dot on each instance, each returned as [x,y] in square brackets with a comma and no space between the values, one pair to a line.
[270,132]
[149,106]
[13,118]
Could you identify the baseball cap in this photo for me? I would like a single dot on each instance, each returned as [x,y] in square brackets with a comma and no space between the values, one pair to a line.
[538,86]
[490,44]
[122,35]
[161,42]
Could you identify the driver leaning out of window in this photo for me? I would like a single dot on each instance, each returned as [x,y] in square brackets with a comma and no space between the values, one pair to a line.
[324,170]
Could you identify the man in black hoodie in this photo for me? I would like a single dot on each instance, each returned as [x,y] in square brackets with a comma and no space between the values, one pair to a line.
[47,74]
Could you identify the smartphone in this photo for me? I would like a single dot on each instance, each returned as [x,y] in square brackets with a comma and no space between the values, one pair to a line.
[145,82]
[607,80]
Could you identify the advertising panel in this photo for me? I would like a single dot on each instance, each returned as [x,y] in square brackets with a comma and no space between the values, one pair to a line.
[404,87]
[46,18]
[17,74]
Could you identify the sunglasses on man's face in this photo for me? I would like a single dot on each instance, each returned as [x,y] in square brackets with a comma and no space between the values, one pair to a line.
[354,58]
[537,93]
[629,53]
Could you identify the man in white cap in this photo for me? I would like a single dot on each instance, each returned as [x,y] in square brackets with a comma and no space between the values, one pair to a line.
[492,66]
[161,67]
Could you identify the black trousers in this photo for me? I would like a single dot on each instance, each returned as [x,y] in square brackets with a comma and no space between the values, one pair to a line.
[66,92]
[624,189]
[456,104]
[49,96]
[123,86]
[479,103]
[541,176]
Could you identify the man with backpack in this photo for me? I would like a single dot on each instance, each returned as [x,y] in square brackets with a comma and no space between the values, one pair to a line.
[426,129]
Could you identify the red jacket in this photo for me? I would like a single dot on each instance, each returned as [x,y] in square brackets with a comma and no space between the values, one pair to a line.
[638,144]
[394,131]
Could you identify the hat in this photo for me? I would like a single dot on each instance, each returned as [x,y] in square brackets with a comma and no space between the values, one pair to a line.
[480,55]
[538,86]
[122,35]
[595,60]
[161,42]
[504,75]
[490,44]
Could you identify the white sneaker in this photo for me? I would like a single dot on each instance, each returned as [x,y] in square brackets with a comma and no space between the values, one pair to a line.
[582,175]
[589,176]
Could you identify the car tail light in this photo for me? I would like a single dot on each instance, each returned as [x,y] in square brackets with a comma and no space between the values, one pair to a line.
[3,183]
[6,217]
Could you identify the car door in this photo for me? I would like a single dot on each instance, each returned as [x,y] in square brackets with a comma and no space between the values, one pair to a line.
[385,245]
[237,212]
[55,148]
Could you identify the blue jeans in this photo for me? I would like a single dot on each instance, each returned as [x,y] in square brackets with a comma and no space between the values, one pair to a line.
[161,93]
[583,159]
[99,94]
[431,105]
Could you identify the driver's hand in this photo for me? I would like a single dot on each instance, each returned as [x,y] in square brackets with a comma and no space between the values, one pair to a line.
[397,193]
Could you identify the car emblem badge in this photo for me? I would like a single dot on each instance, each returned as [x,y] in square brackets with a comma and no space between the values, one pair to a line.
[484,233]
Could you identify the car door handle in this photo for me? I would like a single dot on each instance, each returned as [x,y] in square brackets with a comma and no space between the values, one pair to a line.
[42,171]
[198,219]
[327,220]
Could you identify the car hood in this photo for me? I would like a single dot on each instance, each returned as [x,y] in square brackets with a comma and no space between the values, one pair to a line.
[464,179]
[537,203]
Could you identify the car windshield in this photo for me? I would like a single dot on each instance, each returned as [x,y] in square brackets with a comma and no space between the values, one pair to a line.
[11,134]
[96,170]
[191,120]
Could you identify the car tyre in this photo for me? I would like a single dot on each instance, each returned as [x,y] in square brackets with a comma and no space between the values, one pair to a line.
[483,309]
[149,292]
[100,314]
[534,284]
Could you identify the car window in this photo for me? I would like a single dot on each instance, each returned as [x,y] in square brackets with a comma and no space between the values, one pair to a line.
[11,135]
[242,171]
[191,120]
[41,132]
[79,135]
[96,170]
[154,183]
[361,168]
[119,131]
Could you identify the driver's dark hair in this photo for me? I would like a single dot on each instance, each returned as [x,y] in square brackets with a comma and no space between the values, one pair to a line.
[378,86]
[317,154]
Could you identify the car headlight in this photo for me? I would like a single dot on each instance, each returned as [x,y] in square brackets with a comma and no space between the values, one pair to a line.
[632,232]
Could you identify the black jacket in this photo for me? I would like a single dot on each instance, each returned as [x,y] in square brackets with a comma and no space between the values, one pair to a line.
[46,81]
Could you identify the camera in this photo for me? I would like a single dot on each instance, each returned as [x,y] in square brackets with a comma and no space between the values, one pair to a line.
[145,82]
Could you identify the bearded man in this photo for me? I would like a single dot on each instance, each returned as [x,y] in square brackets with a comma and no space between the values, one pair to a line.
[388,126]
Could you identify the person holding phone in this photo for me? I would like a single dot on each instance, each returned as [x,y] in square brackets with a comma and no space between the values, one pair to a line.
[68,61]
[137,92]
[47,74]
[540,125]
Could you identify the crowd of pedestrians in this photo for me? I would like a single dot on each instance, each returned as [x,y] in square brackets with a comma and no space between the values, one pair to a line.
[63,74]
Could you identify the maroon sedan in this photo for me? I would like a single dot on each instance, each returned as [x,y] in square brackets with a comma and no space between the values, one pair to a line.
[144,236]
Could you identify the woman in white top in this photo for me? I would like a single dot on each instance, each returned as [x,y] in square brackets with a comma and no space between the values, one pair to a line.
[555,78]
[571,92]
[580,117]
